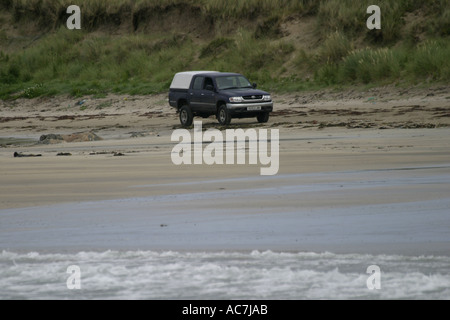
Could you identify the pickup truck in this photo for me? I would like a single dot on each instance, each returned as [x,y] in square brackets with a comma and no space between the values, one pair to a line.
[223,95]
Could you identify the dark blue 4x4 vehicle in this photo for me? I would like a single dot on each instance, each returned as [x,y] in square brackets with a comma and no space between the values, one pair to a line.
[224,95]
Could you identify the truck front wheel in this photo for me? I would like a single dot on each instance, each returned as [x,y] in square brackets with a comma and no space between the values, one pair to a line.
[186,116]
[223,115]
[263,117]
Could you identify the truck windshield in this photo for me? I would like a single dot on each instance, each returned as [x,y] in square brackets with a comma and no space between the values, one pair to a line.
[232,82]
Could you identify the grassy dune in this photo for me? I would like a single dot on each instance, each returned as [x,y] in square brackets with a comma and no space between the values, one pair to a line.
[135,47]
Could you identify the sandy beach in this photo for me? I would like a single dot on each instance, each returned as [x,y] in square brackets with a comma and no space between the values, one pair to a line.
[364,172]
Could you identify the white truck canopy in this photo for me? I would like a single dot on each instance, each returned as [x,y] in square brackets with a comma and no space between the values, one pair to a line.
[182,80]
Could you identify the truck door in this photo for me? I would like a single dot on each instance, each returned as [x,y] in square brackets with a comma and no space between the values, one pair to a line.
[195,94]
[208,96]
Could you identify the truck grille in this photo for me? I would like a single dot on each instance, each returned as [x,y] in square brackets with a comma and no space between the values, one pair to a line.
[254,97]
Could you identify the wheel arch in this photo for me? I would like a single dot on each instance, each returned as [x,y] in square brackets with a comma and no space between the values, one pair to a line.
[182,102]
[219,103]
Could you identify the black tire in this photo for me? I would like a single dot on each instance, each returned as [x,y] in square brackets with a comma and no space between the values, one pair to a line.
[263,117]
[186,116]
[223,115]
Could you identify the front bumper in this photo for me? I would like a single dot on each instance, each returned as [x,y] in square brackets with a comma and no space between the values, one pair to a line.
[234,108]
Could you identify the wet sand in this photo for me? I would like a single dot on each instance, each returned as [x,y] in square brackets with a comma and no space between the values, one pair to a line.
[352,178]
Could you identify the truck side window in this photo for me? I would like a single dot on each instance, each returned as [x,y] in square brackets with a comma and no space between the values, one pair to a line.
[208,82]
[198,83]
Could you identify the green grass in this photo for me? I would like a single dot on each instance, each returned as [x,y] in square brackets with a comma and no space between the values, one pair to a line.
[123,49]
[431,60]
[426,62]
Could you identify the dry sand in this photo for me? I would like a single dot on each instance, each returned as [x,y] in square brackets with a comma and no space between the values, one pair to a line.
[343,155]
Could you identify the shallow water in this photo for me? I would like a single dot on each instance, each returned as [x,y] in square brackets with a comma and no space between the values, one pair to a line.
[389,212]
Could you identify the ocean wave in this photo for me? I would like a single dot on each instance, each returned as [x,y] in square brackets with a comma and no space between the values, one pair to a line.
[221,275]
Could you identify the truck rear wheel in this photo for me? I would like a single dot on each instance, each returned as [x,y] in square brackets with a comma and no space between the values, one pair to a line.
[186,116]
[223,115]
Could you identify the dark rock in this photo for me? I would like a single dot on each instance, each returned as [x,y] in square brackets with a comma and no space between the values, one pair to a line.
[21,155]
[50,138]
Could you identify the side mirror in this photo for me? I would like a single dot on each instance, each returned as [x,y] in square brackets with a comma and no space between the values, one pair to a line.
[254,85]
[209,87]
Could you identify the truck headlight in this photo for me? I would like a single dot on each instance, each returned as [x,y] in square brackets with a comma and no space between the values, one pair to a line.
[236,99]
[267,97]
